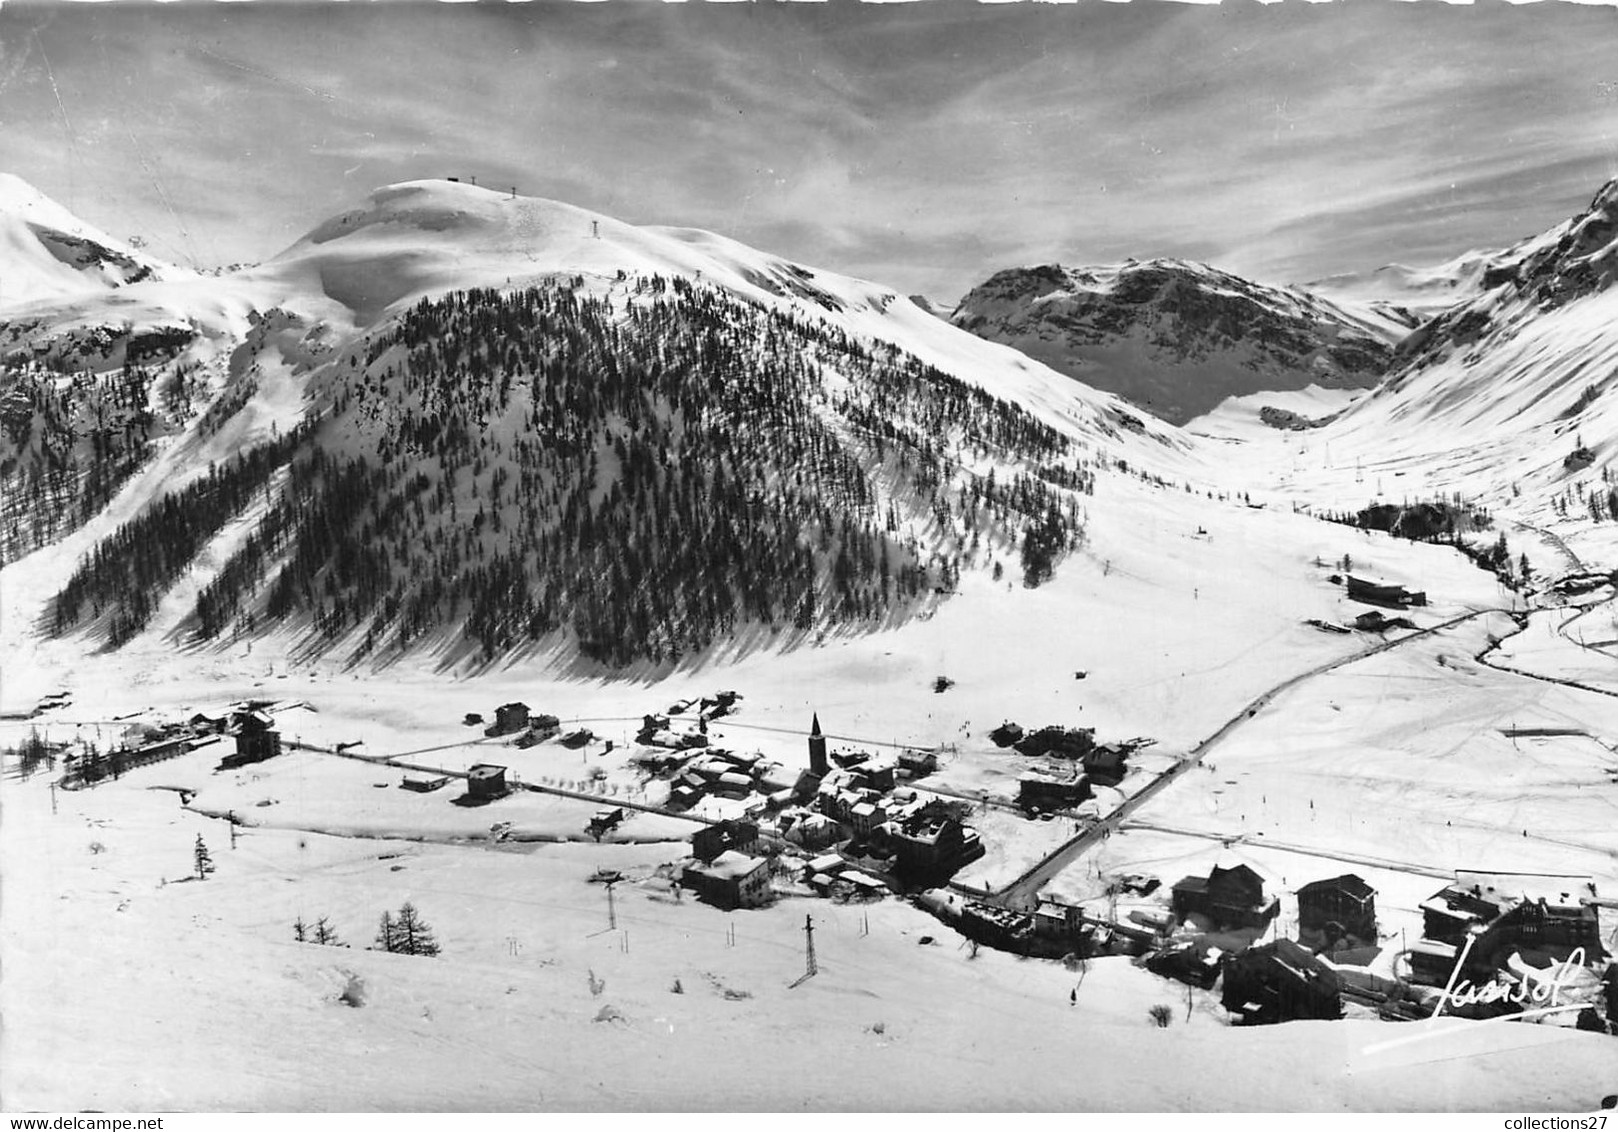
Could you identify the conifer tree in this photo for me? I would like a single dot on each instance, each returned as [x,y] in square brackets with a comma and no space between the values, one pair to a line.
[202,860]
[387,935]
[414,935]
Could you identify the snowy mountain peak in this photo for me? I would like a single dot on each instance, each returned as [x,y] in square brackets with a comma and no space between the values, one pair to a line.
[51,254]
[419,238]
[1173,336]
[451,210]
[1524,365]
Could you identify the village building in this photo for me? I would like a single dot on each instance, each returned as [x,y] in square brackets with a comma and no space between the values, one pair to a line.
[1041,793]
[732,784]
[686,792]
[1372,621]
[712,840]
[1228,898]
[997,926]
[810,830]
[508,718]
[1330,910]
[1195,963]
[486,782]
[917,764]
[1058,742]
[1106,763]
[1383,593]
[929,849]
[805,787]
[870,777]
[1490,915]
[650,725]
[707,768]
[425,785]
[747,763]
[1056,920]
[866,816]
[603,822]
[717,706]
[1155,920]
[730,880]
[827,864]
[1280,982]
[1006,734]
[256,739]
[818,763]
[862,886]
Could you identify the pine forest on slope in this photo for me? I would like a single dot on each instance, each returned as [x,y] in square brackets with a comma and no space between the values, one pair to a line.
[649,469]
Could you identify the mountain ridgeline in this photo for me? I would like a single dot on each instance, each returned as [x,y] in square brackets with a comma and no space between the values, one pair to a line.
[1173,337]
[642,470]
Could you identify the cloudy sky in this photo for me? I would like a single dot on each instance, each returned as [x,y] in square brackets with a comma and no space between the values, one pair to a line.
[923,145]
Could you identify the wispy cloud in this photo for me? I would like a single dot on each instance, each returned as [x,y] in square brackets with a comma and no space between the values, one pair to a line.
[924,145]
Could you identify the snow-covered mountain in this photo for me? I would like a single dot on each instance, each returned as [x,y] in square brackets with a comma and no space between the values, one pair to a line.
[1531,355]
[1505,399]
[536,422]
[1404,297]
[48,253]
[1176,338]
[451,422]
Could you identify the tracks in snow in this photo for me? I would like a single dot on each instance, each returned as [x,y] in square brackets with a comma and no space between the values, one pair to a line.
[1023,892]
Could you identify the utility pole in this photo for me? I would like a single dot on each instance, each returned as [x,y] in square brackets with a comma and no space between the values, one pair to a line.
[612,910]
[231,815]
[810,969]
[53,799]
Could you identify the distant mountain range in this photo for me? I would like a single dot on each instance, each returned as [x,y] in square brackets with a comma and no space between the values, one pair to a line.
[1176,338]
[1521,372]
[460,419]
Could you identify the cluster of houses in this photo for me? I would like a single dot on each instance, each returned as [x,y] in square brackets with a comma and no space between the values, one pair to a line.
[1505,929]
[1487,928]
[1389,595]
[250,727]
[519,719]
[1101,764]
[909,839]
[725,868]
[532,728]
[1472,927]
[718,773]
[849,814]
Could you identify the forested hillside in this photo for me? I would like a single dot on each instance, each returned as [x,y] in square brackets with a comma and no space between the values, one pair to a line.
[646,468]
[78,418]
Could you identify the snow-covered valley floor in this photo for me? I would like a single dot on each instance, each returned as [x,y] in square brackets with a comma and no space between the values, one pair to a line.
[1180,610]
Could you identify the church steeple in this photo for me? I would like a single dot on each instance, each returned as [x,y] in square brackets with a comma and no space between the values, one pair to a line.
[817,748]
